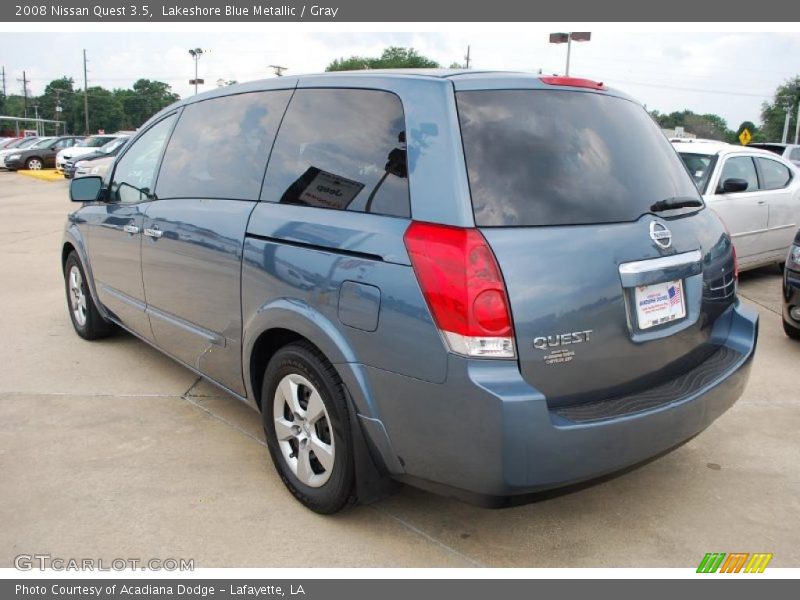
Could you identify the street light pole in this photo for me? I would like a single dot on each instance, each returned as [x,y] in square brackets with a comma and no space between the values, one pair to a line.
[196,53]
[568,38]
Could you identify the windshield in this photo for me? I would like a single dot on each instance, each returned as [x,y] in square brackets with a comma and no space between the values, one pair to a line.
[113,145]
[95,142]
[700,167]
[548,157]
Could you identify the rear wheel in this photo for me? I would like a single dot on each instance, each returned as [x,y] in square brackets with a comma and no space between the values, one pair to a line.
[34,164]
[86,319]
[790,330]
[307,428]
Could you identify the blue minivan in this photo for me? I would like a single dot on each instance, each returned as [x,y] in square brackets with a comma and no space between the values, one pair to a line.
[483,284]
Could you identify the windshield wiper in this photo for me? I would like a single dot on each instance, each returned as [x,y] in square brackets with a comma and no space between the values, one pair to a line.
[673,203]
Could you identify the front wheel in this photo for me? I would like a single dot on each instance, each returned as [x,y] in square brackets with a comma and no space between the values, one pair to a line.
[306,424]
[34,164]
[86,319]
[790,330]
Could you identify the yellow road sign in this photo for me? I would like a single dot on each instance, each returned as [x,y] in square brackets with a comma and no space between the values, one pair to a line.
[745,137]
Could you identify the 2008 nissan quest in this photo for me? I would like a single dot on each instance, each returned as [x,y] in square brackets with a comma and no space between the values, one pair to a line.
[484,284]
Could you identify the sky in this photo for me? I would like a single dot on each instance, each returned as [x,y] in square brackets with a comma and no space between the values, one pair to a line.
[729,74]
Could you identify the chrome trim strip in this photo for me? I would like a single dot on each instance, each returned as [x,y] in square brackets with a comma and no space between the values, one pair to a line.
[665,262]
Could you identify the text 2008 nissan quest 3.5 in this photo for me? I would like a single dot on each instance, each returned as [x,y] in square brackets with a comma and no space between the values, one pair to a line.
[482,284]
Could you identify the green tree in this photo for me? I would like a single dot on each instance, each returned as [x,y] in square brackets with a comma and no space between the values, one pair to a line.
[145,99]
[105,111]
[773,114]
[708,126]
[393,57]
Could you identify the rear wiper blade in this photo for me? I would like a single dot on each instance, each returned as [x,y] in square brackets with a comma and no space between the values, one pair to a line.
[673,203]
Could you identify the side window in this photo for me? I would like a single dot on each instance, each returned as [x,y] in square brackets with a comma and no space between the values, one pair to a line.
[740,167]
[341,149]
[219,148]
[775,175]
[136,170]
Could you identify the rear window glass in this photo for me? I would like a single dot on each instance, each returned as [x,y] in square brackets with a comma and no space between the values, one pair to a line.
[341,149]
[542,157]
[220,147]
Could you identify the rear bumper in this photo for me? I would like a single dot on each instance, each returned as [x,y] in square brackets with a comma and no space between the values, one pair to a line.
[486,434]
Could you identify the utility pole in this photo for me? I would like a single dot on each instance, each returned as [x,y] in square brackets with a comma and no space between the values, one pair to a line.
[36,109]
[85,96]
[786,123]
[4,81]
[466,59]
[25,92]
[797,121]
[58,109]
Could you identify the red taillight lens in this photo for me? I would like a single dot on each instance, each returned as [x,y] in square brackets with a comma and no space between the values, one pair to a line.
[463,287]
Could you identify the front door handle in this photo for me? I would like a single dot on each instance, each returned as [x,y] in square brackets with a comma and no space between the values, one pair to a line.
[132,229]
[762,202]
[153,233]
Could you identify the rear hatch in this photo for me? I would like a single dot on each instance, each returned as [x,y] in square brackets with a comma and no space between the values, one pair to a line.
[612,289]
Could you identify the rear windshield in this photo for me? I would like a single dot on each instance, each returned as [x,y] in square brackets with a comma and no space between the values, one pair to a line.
[542,157]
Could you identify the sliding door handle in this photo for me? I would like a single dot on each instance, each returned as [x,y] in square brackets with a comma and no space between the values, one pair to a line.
[132,229]
[153,233]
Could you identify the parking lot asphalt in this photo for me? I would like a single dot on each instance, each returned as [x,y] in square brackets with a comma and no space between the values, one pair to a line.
[111,450]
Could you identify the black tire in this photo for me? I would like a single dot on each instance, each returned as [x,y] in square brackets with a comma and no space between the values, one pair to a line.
[781,267]
[790,330]
[94,326]
[303,359]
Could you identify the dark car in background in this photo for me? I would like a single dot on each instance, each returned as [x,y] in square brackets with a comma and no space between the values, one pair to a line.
[484,284]
[791,291]
[41,155]
[96,162]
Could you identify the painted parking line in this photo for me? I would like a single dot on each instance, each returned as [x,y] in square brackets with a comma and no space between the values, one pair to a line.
[43,174]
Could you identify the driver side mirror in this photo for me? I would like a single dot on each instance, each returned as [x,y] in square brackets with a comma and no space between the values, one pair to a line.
[86,189]
[733,186]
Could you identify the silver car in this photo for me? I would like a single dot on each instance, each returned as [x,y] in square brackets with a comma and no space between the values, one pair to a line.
[755,192]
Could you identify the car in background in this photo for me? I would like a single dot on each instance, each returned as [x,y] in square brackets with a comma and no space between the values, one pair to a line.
[755,192]
[41,155]
[86,146]
[790,152]
[791,291]
[97,162]
[18,144]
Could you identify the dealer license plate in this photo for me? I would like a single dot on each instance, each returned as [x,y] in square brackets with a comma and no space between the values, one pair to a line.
[659,303]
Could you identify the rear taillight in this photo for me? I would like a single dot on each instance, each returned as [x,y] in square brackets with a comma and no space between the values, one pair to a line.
[463,287]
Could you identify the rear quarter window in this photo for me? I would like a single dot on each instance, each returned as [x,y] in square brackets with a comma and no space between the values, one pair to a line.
[341,149]
[547,157]
[774,175]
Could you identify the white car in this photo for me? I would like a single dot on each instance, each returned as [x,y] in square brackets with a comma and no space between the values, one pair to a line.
[90,144]
[755,192]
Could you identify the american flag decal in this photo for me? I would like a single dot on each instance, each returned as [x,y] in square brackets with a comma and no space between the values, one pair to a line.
[674,295]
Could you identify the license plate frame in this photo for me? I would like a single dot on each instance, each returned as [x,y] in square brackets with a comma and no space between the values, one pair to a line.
[659,304]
